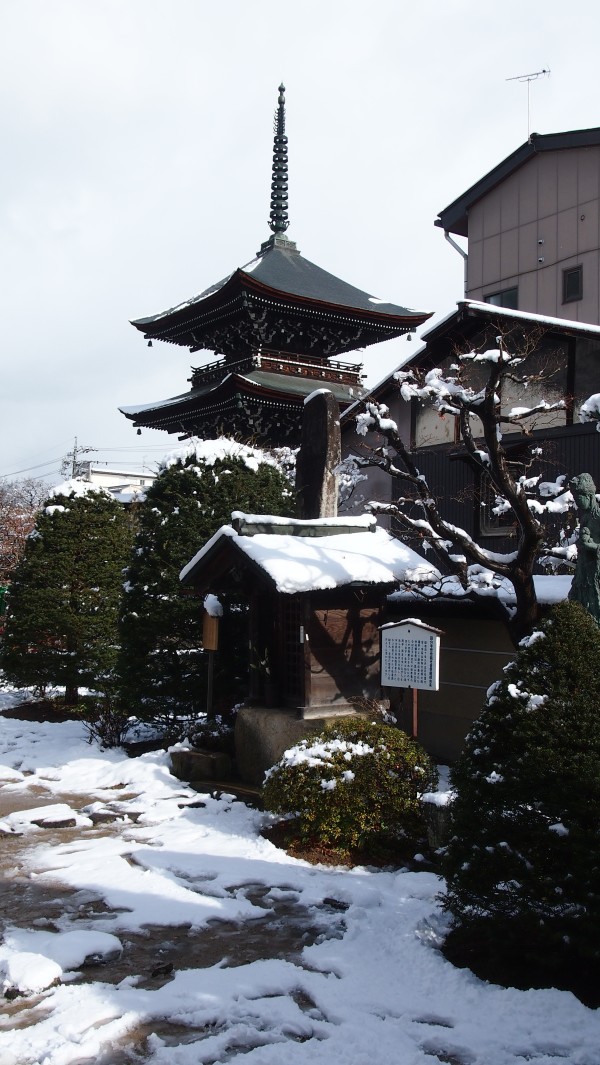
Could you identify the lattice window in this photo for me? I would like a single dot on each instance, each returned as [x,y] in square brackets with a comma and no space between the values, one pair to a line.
[291,649]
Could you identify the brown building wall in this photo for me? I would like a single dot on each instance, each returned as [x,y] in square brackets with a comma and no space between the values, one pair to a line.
[553,198]
[344,656]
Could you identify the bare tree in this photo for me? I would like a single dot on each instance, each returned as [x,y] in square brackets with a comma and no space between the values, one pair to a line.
[484,411]
[20,502]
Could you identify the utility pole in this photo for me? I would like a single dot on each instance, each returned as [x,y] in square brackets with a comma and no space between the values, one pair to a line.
[71,464]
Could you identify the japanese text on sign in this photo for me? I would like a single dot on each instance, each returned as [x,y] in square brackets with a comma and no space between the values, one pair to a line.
[409,658]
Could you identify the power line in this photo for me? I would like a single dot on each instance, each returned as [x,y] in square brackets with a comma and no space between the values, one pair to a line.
[161,448]
[138,448]
[28,469]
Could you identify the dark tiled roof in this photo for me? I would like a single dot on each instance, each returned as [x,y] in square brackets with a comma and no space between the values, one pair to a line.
[454,218]
[278,385]
[458,328]
[288,271]
[284,270]
[189,411]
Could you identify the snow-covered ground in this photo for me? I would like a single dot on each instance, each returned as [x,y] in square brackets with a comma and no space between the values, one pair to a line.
[380,992]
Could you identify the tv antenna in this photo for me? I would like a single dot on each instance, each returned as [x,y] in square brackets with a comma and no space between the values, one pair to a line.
[529,78]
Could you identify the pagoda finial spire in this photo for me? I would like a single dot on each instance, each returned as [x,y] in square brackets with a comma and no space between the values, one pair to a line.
[278,219]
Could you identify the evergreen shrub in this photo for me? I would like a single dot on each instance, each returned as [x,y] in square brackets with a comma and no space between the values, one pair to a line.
[162,668]
[355,785]
[523,862]
[61,628]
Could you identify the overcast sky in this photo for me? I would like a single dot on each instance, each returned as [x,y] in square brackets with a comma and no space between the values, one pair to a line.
[136,155]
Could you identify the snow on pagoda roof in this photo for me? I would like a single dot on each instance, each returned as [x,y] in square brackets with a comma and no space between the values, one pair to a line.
[286,271]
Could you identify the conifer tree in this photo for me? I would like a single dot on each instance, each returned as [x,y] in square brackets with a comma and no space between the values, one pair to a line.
[523,863]
[163,673]
[62,624]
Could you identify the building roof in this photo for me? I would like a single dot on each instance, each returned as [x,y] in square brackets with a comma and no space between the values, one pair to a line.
[460,325]
[454,218]
[317,559]
[471,315]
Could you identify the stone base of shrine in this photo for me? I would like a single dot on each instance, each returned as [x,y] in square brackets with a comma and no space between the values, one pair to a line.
[262,736]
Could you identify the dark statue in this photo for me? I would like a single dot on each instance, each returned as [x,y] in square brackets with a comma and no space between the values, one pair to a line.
[586,582]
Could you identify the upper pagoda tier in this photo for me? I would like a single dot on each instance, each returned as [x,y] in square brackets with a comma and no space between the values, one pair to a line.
[282,302]
[279,324]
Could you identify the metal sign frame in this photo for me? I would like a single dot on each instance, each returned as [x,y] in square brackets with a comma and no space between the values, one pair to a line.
[410,655]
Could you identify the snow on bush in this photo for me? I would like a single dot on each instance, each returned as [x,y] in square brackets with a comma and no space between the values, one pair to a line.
[355,784]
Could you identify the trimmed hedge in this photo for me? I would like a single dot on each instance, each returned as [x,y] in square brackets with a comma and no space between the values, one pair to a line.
[354,785]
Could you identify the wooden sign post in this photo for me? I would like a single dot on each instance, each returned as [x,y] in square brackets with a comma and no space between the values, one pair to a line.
[410,658]
[210,642]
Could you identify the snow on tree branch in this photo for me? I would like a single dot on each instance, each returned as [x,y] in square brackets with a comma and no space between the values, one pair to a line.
[477,389]
[590,410]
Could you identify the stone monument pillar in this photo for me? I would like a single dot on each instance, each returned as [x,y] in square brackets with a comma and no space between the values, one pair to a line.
[319,456]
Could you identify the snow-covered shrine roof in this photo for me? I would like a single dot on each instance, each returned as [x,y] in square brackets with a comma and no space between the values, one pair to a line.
[313,555]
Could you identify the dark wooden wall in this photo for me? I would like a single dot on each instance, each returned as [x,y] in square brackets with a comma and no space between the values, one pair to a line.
[567,450]
[344,654]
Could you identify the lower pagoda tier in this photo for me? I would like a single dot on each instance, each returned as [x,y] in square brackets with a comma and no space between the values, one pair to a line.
[259,397]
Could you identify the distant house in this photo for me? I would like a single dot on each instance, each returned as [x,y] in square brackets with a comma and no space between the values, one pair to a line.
[533,228]
[125,485]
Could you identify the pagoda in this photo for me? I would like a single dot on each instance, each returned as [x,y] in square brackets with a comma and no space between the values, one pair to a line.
[281,328]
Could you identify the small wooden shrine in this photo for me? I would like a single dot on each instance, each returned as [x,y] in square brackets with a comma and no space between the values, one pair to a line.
[315,590]
[281,325]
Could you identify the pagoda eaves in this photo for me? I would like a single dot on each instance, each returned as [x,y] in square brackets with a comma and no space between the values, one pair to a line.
[282,301]
[261,398]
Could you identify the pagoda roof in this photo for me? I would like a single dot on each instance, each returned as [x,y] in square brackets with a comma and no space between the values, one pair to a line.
[280,324]
[248,403]
[280,282]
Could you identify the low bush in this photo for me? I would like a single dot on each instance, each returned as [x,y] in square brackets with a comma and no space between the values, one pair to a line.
[355,785]
[105,721]
[216,733]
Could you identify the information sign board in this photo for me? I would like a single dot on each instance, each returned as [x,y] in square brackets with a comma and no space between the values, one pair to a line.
[410,655]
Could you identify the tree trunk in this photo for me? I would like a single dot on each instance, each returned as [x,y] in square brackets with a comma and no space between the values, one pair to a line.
[527,613]
[71,695]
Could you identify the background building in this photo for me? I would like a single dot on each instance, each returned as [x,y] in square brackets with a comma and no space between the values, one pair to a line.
[533,228]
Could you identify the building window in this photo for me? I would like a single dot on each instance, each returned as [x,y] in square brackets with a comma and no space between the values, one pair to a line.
[490,522]
[572,284]
[508,297]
